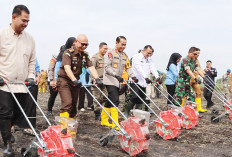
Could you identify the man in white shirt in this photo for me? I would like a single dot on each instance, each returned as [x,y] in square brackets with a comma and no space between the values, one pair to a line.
[17,63]
[142,67]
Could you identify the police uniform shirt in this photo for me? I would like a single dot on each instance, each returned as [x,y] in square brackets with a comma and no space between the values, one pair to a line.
[98,63]
[76,60]
[17,58]
[51,68]
[142,67]
[114,63]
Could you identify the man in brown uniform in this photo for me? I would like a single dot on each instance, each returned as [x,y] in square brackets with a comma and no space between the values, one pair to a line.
[195,85]
[114,62]
[74,59]
[98,63]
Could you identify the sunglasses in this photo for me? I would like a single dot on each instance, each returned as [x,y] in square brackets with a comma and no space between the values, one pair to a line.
[83,44]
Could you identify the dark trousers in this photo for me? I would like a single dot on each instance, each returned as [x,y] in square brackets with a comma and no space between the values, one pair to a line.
[52,98]
[208,94]
[134,98]
[171,91]
[82,98]
[29,109]
[69,96]
[113,95]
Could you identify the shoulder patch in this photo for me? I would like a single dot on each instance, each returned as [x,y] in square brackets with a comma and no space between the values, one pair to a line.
[68,54]
[71,50]
[110,55]
[52,61]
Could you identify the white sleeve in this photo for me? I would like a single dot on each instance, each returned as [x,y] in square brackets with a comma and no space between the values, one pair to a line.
[153,70]
[137,65]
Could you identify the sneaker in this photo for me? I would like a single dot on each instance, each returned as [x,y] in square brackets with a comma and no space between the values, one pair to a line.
[82,110]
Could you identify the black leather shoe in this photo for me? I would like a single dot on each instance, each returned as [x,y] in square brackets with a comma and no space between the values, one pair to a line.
[210,104]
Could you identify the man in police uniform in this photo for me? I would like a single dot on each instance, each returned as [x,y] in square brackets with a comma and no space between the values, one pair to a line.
[209,83]
[183,88]
[74,59]
[52,85]
[195,85]
[98,63]
[114,62]
[225,84]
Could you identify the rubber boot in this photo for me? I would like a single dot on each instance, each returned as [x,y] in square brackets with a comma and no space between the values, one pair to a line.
[43,90]
[114,115]
[129,106]
[199,109]
[105,117]
[64,119]
[148,103]
[39,90]
[5,126]
[183,100]
[97,114]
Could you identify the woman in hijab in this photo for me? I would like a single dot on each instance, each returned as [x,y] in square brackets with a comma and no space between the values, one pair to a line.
[67,45]
[172,74]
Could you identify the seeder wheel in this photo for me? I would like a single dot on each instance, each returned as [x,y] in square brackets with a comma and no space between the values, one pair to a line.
[214,111]
[103,142]
[213,120]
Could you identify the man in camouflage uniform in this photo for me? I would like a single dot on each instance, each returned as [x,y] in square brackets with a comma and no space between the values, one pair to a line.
[98,63]
[225,83]
[195,85]
[183,88]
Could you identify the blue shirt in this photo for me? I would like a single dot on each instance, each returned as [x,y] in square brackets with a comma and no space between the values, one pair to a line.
[37,68]
[172,75]
[57,68]
[83,77]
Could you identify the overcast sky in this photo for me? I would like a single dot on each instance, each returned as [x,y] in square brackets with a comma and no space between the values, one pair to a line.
[168,25]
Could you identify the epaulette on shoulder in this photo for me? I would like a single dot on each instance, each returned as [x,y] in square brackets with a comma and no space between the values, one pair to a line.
[71,50]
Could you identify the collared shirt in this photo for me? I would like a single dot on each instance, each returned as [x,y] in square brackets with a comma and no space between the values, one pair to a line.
[212,76]
[114,64]
[187,64]
[17,58]
[51,68]
[98,63]
[76,60]
[142,67]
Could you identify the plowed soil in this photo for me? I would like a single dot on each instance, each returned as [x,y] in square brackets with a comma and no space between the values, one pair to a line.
[206,140]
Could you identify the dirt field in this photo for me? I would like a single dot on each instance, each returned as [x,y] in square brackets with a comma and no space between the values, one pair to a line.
[207,139]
